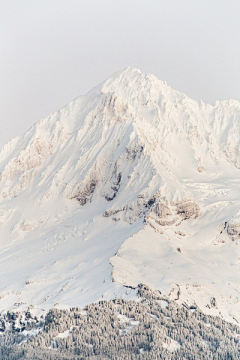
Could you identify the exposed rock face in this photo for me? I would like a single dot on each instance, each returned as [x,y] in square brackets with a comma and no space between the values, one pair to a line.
[165,214]
[233,229]
[138,209]
[86,193]
[164,222]
[188,209]
[228,230]
[162,210]
[29,158]
[111,212]
[133,151]
[114,188]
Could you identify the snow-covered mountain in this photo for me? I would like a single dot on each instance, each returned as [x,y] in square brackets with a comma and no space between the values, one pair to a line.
[132,183]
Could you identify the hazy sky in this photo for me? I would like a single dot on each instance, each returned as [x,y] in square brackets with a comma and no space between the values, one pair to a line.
[51,51]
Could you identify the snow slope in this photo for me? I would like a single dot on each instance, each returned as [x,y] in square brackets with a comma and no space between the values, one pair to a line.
[133,182]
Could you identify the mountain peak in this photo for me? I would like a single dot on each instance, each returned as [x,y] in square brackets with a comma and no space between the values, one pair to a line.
[129,77]
[133,167]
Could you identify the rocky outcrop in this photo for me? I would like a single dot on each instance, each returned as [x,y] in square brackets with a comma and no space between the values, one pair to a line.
[165,214]
[86,192]
[138,209]
[188,209]
[133,151]
[233,229]
[228,230]
[162,210]
[114,188]
[111,212]
[29,158]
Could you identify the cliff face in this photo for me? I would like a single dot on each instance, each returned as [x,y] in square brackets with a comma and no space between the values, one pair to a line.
[134,172]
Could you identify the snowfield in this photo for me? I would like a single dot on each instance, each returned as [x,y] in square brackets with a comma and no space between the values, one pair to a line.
[132,183]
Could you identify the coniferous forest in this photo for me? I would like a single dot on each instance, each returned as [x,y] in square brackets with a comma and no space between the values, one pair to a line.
[151,328]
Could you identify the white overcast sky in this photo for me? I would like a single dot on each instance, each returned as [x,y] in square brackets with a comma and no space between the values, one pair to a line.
[51,51]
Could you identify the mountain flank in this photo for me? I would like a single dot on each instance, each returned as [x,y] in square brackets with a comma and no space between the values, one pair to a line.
[132,183]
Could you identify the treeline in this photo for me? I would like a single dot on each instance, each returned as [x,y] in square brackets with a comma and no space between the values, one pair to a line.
[152,328]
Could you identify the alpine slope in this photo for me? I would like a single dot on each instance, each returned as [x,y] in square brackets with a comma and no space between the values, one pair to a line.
[132,183]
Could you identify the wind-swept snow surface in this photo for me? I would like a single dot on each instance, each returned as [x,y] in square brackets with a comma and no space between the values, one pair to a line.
[132,183]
